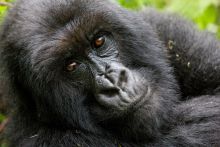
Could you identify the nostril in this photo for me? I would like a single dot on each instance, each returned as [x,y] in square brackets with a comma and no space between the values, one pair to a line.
[123,73]
[101,74]
[109,71]
[123,76]
[107,67]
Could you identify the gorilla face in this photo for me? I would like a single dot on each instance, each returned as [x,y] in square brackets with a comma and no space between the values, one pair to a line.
[91,62]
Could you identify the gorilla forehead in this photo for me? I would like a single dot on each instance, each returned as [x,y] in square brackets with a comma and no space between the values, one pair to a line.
[51,15]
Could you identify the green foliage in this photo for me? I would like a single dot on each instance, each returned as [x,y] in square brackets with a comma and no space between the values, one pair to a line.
[205,13]
[2,12]
[4,4]
[133,4]
[2,117]
[3,145]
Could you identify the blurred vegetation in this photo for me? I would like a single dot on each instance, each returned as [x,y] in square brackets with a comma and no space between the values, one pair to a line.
[4,4]
[205,13]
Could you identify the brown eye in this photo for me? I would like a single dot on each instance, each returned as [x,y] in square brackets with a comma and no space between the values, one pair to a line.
[99,42]
[71,66]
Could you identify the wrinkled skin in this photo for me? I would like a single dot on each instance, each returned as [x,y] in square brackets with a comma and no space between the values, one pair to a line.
[153,81]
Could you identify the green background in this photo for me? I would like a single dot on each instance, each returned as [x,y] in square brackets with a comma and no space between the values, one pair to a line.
[205,13]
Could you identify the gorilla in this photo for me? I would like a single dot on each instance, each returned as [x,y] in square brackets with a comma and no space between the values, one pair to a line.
[88,73]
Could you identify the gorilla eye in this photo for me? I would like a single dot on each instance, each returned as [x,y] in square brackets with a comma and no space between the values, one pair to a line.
[71,66]
[99,41]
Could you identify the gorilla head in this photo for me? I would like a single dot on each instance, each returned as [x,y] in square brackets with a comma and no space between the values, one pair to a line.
[88,64]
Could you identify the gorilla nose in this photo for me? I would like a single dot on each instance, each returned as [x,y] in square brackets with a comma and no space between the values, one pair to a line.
[117,74]
[113,88]
[113,79]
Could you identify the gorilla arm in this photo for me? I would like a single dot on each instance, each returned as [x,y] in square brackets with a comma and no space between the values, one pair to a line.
[198,123]
[195,55]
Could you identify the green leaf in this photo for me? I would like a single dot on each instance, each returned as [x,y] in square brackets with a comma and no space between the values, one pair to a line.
[209,16]
[132,4]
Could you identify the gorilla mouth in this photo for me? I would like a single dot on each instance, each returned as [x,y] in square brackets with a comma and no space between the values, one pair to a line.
[121,100]
[109,92]
[115,99]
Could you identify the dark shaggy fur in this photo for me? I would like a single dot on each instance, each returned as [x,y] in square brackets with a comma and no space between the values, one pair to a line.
[179,66]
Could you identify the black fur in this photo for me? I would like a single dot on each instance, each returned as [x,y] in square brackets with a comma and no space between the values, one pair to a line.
[179,65]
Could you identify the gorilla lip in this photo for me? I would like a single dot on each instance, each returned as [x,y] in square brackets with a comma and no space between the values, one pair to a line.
[109,92]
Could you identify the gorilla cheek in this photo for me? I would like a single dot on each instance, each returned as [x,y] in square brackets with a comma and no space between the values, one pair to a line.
[118,87]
